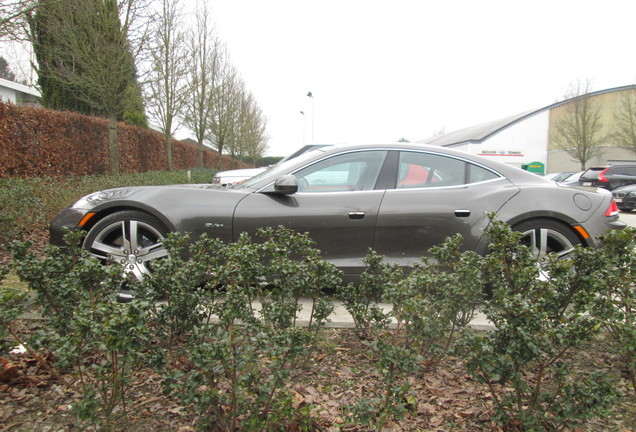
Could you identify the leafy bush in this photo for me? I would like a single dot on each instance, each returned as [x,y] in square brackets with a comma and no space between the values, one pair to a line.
[428,306]
[540,313]
[239,363]
[89,331]
[21,210]
[12,305]
[614,269]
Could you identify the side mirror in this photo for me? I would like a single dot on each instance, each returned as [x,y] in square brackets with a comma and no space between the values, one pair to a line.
[286,185]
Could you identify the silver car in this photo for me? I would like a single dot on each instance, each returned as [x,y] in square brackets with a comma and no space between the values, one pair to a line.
[232,177]
[399,199]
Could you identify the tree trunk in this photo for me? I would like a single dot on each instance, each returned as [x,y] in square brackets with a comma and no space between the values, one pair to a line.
[113,145]
[200,154]
[169,151]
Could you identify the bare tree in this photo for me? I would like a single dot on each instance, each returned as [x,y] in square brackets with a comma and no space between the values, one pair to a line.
[85,46]
[13,22]
[166,85]
[579,129]
[225,107]
[252,137]
[626,121]
[205,52]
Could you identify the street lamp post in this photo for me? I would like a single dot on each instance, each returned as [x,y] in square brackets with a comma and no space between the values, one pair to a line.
[303,114]
[311,95]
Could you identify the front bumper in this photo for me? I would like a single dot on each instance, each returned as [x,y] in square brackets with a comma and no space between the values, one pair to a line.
[67,219]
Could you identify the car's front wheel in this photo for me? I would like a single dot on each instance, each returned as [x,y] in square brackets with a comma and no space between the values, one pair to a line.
[544,236]
[130,238]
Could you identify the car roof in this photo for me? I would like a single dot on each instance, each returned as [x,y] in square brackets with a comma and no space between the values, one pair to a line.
[505,170]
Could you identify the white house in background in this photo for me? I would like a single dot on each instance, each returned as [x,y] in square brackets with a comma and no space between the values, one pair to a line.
[18,94]
[531,139]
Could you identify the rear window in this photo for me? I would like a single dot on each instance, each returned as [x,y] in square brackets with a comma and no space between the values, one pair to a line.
[592,173]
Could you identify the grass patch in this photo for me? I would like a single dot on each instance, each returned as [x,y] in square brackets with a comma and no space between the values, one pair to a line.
[12,281]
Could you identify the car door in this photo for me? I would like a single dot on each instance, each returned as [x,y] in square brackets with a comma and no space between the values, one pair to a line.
[336,203]
[436,196]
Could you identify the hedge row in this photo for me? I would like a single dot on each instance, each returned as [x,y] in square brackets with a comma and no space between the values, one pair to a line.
[41,142]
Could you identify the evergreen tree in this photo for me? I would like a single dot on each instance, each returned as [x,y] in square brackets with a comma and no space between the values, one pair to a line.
[66,79]
[5,70]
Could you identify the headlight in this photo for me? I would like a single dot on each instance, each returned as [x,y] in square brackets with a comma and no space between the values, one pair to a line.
[632,194]
[92,200]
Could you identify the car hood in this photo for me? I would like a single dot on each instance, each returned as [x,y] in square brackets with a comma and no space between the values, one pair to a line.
[104,197]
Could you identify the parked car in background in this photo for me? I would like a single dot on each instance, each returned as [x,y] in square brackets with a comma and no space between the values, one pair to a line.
[398,199]
[625,197]
[609,177]
[589,177]
[558,177]
[230,177]
[573,179]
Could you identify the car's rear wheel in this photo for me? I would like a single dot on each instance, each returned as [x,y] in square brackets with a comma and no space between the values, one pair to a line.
[544,236]
[130,238]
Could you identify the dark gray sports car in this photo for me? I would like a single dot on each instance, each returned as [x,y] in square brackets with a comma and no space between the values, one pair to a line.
[398,199]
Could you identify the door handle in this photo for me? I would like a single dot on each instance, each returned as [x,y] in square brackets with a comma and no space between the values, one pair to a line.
[462,213]
[356,215]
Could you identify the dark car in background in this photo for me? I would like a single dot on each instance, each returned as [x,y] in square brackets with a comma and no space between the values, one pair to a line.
[609,177]
[398,199]
[625,197]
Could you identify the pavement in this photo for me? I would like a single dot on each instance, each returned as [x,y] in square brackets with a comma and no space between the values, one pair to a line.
[340,318]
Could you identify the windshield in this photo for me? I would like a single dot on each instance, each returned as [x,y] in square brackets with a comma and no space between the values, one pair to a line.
[276,170]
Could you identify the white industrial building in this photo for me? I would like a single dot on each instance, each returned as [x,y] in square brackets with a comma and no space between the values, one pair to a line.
[530,138]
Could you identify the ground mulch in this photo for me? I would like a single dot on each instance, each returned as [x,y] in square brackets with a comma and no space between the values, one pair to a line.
[338,374]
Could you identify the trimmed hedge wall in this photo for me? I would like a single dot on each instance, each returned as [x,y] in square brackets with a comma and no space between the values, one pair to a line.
[37,142]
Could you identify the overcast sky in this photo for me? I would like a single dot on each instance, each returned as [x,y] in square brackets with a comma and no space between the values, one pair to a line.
[383,70]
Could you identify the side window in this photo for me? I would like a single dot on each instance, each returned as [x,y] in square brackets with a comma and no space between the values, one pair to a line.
[346,172]
[418,170]
[628,170]
[478,174]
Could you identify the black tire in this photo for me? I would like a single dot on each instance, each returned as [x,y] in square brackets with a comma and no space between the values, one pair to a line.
[545,236]
[131,238]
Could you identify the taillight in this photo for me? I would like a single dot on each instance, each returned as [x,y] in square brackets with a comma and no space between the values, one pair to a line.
[612,210]
[601,176]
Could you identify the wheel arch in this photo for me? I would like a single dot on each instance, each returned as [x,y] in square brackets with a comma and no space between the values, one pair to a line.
[107,211]
[566,224]
[482,246]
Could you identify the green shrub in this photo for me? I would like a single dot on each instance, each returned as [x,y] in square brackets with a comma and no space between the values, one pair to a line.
[614,268]
[239,362]
[427,307]
[21,210]
[77,294]
[540,314]
[12,305]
